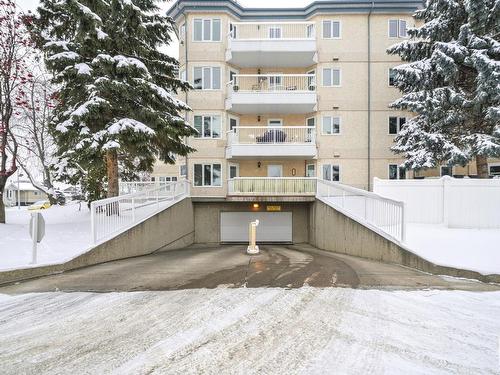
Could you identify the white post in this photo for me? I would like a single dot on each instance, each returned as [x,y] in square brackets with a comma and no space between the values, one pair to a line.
[403,223]
[92,222]
[133,210]
[252,238]
[34,235]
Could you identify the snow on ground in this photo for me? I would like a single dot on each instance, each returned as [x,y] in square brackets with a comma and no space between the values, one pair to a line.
[246,331]
[472,249]
[67,234]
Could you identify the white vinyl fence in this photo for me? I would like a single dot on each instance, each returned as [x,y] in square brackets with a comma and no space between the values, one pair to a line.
[372,210]
[454,202]
[111,216]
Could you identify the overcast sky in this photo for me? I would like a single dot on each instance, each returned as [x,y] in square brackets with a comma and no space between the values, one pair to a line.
[173,49]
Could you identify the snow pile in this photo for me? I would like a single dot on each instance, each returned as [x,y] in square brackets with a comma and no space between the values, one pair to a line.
[250,331]
[471,249]
[83,69]
[67,234]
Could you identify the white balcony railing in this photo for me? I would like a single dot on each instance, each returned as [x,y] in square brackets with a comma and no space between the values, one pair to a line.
[282,135]
[274,83]
[370,209]
[109,217]
[130,187]
[253,186]
[272,31]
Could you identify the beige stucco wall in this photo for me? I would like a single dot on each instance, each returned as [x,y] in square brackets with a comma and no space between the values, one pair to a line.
[349,53]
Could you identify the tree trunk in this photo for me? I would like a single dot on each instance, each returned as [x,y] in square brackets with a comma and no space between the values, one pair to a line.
[482,166]
[112,173]
[2,209]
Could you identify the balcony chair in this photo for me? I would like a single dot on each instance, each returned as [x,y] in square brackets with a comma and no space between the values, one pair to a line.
[272,136]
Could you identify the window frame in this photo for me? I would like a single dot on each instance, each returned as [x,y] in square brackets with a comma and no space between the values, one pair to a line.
[211,116]
[203,40]
[451,170]
[232,117]
[398,124]
[331,77]
[203,175]
[274,28]
[211,78]
[331,21]
[331,171]
[181,166]
[313,169]
[233,165]
[331,125]
[389,78]
[398,28]
[398,175]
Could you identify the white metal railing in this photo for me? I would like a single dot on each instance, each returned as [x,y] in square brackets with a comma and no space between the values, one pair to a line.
[129,187]
[273,83]
[111,216]
[272,135]
[370,209]
[272,31]
[272,186]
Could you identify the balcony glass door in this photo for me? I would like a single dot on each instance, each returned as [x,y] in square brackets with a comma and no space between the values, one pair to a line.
[275,82]
[275,170]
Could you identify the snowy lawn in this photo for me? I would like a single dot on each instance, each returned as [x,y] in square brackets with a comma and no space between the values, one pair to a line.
[67,234]
[245,331]
[472,249]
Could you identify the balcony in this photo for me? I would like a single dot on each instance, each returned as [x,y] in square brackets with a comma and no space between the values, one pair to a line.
[271,141]
[272,93]
[272,186]
[263,44]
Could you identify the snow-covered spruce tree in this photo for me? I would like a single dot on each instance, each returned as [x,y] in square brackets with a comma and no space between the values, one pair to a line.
[451,82]
[115,85]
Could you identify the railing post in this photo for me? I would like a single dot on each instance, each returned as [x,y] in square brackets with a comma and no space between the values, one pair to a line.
[92,223]
[403,223]
[133,210]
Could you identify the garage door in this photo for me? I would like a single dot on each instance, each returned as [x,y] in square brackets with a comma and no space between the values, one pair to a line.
[273,226]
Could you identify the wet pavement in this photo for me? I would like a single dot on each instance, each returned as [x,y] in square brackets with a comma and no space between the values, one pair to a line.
[204,266]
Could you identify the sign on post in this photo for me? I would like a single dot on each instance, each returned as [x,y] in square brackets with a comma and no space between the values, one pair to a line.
[37,232]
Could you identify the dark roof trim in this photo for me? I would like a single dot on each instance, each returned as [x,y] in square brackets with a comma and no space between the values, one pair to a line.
[316,7]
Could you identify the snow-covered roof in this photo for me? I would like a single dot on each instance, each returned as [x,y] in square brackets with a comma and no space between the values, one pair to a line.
[23,186]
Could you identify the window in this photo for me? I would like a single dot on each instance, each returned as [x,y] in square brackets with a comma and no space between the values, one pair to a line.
[310,31]
[183,170]
[331,29]
[233,31]
[396,172]
[207,30]
[392,77]
[330,125]
[206,78]
[233,122]
[397,29]
[310,170]
[207,126]
[233,170]
[182,75]
[446,170]
[207,175]
[331,77]
[396,124]
[331,172]
[275,82]
[494,169]
[274,32]
[311,80]
[182,31]
[165,179]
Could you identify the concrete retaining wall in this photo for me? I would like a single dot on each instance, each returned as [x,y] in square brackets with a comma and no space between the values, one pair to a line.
[207,218]
[333,231]
[170,229]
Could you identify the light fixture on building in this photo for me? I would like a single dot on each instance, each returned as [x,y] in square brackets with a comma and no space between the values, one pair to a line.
[259,164]
[335,59]
[294,171]
[255,205]
[258,118]
[335,107]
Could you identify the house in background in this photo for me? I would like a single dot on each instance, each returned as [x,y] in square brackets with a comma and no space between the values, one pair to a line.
[29,194]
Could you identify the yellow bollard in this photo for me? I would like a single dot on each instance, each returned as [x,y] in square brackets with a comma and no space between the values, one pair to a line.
[252,248]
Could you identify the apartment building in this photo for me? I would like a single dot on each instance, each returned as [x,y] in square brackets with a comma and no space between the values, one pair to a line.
[282,96]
